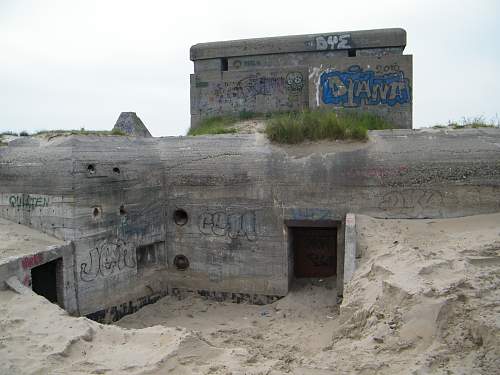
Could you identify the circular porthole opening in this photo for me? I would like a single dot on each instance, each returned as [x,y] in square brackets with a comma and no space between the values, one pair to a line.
[180,217]
[116,170]
[91,168]
[122,210]
[181,262]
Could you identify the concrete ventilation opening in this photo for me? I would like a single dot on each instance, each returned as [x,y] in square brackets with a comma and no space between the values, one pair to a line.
[181,262]
[146,256]
[47,281]
[180,217]
[224,64]
[314,252]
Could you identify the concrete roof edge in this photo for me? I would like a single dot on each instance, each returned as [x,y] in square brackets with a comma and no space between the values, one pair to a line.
[376,38]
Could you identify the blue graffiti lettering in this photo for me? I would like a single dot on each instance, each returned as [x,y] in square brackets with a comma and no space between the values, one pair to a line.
[356,87]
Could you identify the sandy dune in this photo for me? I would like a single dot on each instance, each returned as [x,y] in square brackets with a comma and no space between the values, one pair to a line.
[425,299]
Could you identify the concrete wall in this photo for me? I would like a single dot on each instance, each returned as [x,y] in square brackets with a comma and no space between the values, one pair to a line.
[238,191]
[362,70]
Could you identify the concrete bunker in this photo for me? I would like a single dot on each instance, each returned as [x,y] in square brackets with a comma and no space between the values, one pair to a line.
[232,216]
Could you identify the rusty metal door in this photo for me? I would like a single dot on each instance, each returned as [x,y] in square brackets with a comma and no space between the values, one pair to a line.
[315,252]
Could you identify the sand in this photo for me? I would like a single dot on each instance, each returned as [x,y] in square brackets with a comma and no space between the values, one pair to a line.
[17,240]
[425,299]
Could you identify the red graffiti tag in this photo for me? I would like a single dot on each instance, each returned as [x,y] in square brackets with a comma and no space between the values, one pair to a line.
[32,261]
[27,280]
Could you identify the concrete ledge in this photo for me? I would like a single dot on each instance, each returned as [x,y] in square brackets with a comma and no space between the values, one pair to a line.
[379,38]
[350,247]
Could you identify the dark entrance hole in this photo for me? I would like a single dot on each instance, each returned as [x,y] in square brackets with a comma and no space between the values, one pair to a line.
[46,280]
[314,251]
[224,64]
[181,262]
[116,170]
[180,217]
[91,168]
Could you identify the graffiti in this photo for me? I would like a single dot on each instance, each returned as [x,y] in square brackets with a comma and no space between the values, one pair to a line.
[29,201]
[237,64]
[231,225]
[342,41]
[114,313]
[295,81]
[412,199]
[32,261]
[219,257]
[310,213]
[249,87]
[106,259]
[27,281]
[356,87]
[390,68]
[199,84]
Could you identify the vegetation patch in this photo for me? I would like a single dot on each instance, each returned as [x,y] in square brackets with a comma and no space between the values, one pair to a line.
[316,125]
[471,123]
[223,124]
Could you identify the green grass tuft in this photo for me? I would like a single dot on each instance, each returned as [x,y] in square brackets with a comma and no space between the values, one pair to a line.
[222,124]
[215,125]
[315,125]
[470,122]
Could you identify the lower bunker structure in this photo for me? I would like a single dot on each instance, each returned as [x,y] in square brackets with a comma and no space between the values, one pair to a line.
[129,220]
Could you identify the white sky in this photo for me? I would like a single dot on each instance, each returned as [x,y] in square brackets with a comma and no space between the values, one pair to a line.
[71,64]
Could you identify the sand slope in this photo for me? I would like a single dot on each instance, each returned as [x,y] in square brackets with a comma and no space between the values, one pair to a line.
[425,299]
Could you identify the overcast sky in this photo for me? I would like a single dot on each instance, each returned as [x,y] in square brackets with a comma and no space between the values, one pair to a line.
[71,64]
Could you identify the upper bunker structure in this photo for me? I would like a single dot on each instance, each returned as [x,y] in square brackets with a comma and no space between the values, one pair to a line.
[354,70]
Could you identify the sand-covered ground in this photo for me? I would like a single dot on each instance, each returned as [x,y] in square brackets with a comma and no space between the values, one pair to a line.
[16,240]
[425,299]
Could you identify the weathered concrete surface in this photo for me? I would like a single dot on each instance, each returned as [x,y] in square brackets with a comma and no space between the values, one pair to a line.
[360,71]
[350,248]
[237,192]
[17,240]
[301,43]
[131,124]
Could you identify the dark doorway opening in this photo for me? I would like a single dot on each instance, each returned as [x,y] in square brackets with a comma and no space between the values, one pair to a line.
[45,280]
[314,252]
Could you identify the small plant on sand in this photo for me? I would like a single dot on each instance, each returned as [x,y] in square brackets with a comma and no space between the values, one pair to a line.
[471,122]
[223,124]
[215,125]
[322,124]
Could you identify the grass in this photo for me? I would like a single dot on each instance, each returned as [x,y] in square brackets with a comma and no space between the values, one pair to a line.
[82,131]
[470,122]
[223,124]
[215,125]
[294,128]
